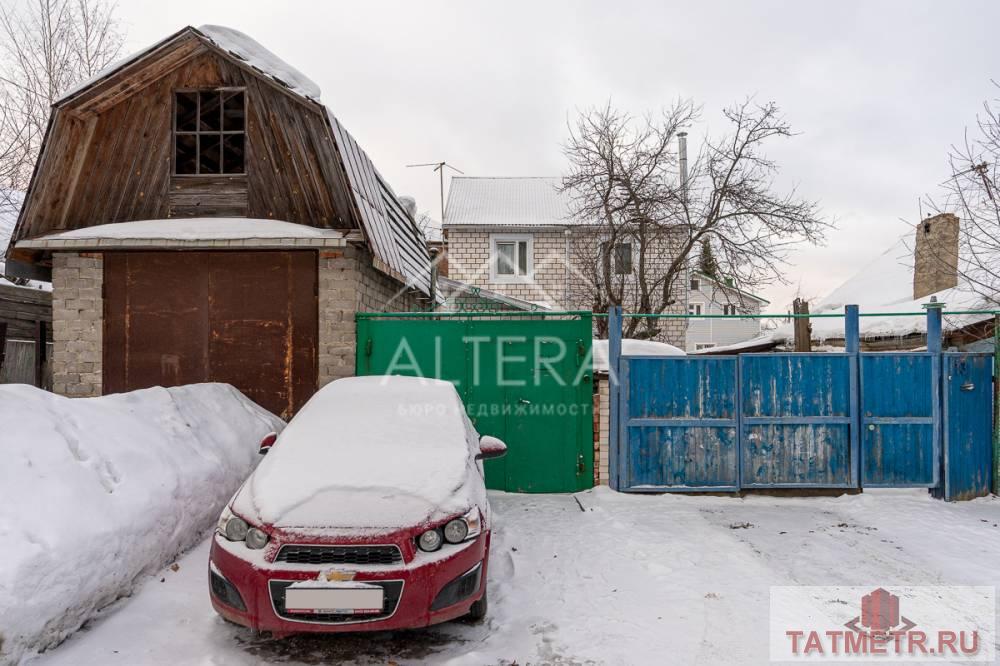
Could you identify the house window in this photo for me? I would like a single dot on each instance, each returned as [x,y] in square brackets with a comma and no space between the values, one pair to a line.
[695,309]
[209,132]
[621,258]
[729,309]
[511,258]
[698,346]
[695,284]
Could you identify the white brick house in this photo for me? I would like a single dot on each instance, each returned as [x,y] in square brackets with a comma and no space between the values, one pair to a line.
[516,236]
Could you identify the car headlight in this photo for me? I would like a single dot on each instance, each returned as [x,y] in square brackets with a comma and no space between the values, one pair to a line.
[456,531]
[232,527]
[256,538]
[429,541]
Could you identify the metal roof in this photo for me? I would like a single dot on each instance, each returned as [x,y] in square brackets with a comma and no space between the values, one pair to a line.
[507,202]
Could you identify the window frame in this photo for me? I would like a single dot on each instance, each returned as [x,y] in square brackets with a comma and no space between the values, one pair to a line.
[701,309]
[221,133]
[529,240]
[698,346]
[694,284]
[729,309]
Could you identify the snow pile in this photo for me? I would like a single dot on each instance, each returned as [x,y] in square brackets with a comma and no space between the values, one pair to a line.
[196,228]
[97,492]
[248,49]
[632,347]
[368,452]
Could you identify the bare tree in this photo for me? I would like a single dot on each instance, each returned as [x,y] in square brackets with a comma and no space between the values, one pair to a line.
[46,48]
[626,189]
[973,191]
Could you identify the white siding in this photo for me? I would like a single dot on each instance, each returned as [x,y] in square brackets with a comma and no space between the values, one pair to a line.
[720,331]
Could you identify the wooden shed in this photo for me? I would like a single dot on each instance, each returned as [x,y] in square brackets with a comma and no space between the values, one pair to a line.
[204,217]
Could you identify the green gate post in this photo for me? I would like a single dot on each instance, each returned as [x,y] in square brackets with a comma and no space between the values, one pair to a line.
[996,404]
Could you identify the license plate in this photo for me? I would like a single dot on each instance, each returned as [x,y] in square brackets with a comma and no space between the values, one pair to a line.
[352,600]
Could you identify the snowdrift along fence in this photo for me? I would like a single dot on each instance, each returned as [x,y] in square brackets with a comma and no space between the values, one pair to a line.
[803,420]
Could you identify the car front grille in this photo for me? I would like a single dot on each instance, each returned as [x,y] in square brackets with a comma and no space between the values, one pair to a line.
[339,555]
[393,590]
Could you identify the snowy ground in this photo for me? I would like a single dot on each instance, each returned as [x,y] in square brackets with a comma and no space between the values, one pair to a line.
[631,580]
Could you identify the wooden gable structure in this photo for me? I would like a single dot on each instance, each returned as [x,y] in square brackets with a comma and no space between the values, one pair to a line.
[108,157]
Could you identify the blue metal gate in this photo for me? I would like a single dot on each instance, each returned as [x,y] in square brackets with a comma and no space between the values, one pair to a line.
[799,422]
[681,431]
[968,401]
[899,420]
[803,420]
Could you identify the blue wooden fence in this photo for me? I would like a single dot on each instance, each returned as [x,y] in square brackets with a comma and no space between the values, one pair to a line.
[802,420]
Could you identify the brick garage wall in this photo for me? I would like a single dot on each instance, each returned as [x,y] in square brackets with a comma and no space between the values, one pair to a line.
[77,324]
[348,283]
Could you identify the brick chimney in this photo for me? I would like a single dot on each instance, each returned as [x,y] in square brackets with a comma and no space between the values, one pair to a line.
[935,259]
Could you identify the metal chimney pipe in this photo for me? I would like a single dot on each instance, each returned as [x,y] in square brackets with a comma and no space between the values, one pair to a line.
[682,154]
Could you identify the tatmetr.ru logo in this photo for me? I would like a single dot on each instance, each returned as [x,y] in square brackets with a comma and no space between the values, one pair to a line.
[947,623]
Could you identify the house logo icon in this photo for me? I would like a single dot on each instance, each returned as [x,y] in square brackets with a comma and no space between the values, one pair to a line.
[880,616]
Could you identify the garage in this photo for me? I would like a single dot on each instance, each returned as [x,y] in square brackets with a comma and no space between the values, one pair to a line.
[245,318]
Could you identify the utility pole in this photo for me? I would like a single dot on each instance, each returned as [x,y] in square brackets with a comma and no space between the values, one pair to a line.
[439,167]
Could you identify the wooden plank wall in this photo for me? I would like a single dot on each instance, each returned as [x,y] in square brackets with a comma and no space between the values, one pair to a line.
[20,308]
[116,166]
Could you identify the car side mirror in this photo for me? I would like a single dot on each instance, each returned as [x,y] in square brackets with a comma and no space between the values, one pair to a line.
[490,447]
[266,443]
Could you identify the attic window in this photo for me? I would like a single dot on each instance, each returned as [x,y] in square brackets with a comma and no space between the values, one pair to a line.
[209,132]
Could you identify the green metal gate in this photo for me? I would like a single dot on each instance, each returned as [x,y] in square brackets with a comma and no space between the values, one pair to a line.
[525,378]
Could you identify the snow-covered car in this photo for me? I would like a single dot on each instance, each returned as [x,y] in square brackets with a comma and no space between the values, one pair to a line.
[369,512]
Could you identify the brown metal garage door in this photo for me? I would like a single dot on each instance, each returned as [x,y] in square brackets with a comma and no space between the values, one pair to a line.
[245,318]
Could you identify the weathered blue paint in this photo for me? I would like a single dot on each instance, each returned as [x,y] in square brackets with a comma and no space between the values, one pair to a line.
[679,425]
[804,420]
[797,413]
[898,443]
[968,422]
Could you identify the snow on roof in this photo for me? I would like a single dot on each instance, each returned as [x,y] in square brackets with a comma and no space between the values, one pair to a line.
[511,202]
[10,206]
[251,51]
[189,230]
[367,452]
[631,347]
[885,285]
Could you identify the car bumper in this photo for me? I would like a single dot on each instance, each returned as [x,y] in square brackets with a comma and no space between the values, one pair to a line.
[412,586]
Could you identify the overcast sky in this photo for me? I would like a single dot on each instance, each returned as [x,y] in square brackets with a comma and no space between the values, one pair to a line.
[878,90]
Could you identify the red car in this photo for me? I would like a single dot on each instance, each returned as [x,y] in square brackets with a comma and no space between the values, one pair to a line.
[368,513]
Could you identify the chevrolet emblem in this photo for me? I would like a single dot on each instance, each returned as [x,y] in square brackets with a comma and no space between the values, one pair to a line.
[334,576]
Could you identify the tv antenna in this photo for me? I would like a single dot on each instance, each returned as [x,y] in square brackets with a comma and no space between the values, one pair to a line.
[439,167]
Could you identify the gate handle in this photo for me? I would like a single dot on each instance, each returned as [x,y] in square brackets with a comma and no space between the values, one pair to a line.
[524,402]
[968,386]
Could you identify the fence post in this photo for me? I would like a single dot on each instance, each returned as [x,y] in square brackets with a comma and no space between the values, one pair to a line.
[852,345]
[41,352]
[996,404]
[800,326]
[614,408]
[934,309]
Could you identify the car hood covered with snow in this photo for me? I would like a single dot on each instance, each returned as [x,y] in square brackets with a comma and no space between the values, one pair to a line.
[378,453]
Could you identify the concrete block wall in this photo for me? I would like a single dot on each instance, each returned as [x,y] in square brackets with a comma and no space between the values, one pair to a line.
[348,283]
[77,323]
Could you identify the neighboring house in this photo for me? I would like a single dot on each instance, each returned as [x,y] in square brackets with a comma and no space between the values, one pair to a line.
[903,279]
[517,237]
[203,217]
[22,308]
[711,297]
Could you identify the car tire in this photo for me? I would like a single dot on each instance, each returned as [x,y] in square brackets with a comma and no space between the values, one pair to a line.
[477,612]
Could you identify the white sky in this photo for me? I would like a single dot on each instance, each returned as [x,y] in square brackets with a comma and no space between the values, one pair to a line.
[878,90]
